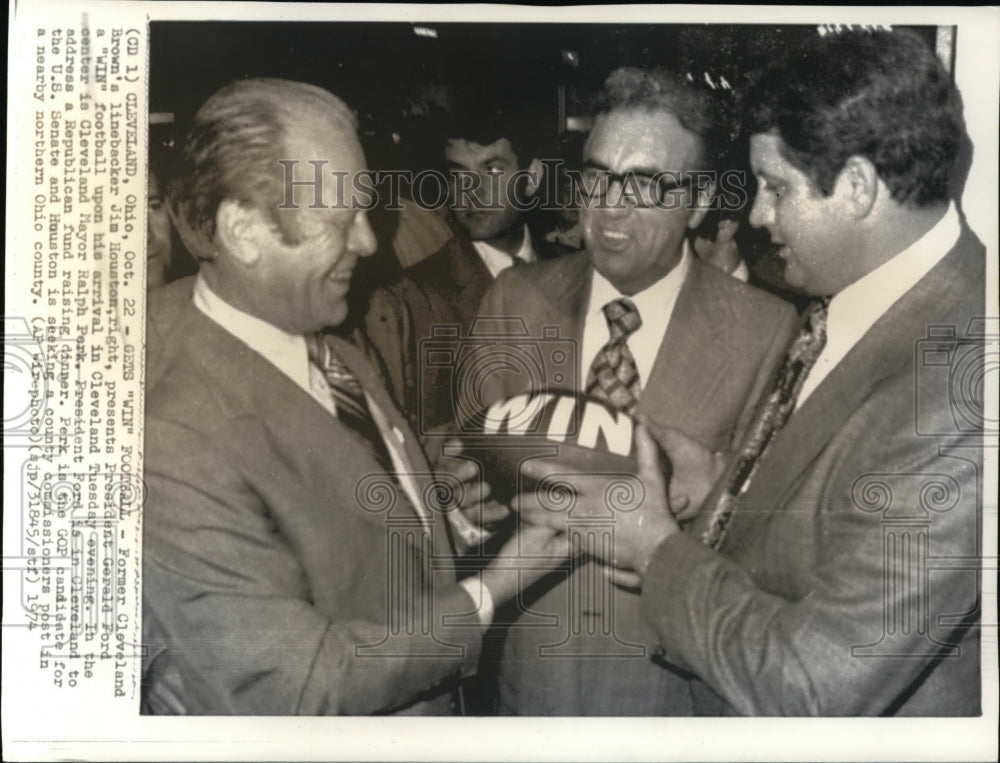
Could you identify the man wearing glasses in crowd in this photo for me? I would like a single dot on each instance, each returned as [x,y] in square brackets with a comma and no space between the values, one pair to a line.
[658,333]
[833,568]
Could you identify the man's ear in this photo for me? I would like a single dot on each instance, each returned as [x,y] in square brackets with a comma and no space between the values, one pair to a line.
[858,182]
[243,231]
[704,193]
[535,179]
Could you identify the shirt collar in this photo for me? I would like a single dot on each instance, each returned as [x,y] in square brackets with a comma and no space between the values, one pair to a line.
[742,272]
[285,351]
[855,309]
[655,305]
[871,295]
[651,301]
[497,261]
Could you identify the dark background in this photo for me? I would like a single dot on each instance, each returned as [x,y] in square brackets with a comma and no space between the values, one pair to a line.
[392,76]
[376,67]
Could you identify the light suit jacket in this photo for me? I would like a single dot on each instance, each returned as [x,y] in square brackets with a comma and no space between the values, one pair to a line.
[848,583]
[282,568]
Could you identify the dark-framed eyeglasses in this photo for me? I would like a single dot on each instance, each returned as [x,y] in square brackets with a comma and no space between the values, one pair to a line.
[641,188]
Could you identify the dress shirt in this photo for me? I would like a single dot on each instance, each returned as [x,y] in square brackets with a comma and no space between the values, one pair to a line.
[742,272]
[655,305]
[497,261]
[855,309]
[286,352]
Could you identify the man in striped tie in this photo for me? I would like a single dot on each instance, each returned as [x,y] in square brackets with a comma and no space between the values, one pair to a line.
[832,569]
[297,556]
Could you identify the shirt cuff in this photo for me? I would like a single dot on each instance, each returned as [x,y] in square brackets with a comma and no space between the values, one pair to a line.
[481,596]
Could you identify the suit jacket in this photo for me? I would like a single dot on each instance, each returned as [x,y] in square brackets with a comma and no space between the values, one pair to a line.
[270,537]
[441,290]
[722,343]
[847,582]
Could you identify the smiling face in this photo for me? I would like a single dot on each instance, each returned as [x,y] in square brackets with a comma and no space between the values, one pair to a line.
[630,246]
[813,231]
[494,166]
[302,287]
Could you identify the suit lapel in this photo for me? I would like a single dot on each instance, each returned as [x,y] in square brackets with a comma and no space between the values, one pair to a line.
[470,277]
[417,475]
[566,292]
[698,333]
[313,442]
[886,349]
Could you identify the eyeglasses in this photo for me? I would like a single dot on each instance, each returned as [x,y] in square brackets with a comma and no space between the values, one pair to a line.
[641,188]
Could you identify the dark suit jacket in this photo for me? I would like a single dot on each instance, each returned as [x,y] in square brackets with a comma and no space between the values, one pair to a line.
[722,343]
[847,583]
[444,289]
[266,565]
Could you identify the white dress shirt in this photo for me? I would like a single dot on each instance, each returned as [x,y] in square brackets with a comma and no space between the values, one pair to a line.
[655,306]
[742,272]
[855,309]
[286,352]
[497,261]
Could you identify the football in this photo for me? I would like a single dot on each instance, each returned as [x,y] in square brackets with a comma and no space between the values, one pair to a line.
[586,434]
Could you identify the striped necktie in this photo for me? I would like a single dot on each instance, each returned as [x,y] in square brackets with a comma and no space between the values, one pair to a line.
[770,418]
[348,396]
[613,377]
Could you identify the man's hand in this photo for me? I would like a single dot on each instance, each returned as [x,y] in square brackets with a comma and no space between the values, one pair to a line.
[638,529]
[531,553]
[475,509]
[696,469]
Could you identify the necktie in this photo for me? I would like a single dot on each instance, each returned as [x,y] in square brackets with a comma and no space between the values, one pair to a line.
[348,396]
[613,376]
[770,418]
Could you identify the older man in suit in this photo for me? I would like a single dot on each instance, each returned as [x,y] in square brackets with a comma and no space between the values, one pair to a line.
[294,562]
[658,333]
[832,569]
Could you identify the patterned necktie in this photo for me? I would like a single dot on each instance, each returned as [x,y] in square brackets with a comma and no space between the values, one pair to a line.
[348,396]
[613,376]
[770,418]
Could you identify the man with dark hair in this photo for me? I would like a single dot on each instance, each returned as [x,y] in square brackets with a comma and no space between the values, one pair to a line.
[292,560]
[658,333]
[166,260]
[493,161]
[832,569]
